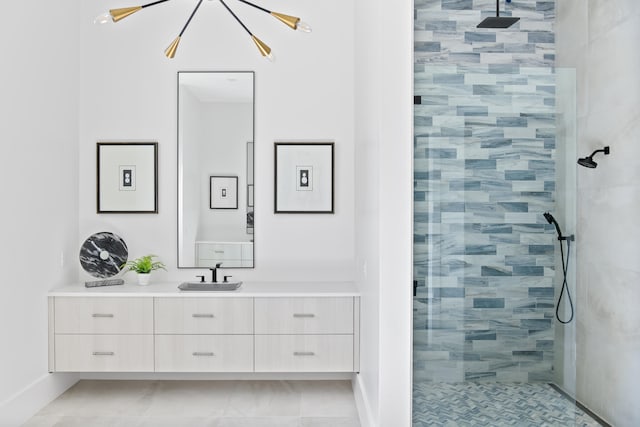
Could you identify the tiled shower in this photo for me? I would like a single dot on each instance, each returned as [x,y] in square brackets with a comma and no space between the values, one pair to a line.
[495,130]
[485,171]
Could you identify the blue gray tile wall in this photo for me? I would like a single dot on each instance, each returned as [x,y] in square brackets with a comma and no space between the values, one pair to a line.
[484,174]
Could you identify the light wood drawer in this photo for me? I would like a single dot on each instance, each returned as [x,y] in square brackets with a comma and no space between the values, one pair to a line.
[204,315]
[92,315]
[304,353]
[304,315]
[104,353]
[204,353]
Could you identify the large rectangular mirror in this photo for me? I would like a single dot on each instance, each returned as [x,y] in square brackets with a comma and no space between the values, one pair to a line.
[215,169]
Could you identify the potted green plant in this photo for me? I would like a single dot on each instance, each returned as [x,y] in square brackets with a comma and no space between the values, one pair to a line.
[143,266]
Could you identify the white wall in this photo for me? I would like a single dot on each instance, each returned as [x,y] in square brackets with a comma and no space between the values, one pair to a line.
[38,177]
[128,92]
[600,38]
[384,182]
[367,199]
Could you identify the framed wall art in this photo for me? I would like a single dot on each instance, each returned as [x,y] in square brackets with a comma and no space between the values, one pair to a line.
[223,192]
[304,177]
[127,177]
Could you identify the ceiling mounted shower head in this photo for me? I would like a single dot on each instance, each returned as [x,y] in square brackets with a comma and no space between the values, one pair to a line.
[498,21]
[588,161]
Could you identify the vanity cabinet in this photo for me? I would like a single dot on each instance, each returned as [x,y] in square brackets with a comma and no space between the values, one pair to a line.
[103,334]
[304,334]
[204,334]
[259,328]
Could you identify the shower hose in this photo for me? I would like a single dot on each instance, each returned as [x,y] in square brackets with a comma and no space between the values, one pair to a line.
[565,285]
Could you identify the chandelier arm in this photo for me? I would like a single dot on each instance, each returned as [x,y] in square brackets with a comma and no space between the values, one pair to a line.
[255,5]
[292,22]
[190,17]
[237,19]
[153,3]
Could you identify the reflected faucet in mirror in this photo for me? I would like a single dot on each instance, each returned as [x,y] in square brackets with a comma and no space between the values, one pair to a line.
[215,169]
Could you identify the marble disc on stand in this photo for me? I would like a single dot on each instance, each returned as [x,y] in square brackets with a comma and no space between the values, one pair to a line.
[103,254]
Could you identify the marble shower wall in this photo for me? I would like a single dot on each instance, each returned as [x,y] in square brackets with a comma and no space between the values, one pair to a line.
[485,139]
[599,39]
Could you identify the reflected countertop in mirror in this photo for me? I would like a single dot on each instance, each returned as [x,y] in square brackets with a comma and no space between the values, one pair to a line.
[215,169]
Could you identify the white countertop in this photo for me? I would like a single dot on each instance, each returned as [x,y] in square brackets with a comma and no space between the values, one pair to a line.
[248,289]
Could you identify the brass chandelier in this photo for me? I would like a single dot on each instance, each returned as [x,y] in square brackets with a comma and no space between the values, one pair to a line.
[293,22]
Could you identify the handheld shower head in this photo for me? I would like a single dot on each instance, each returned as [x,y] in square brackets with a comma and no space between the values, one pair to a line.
[588,161]
[551,220]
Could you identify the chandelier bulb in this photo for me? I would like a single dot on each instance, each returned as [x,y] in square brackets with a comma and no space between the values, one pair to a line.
[303,27]
[103,18]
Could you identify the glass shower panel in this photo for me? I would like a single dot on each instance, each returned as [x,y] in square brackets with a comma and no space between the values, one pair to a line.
[485,142]
[494,149]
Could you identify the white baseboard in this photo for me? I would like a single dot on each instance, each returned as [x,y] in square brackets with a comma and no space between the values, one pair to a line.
[17,409]
[211,376]
[362,402]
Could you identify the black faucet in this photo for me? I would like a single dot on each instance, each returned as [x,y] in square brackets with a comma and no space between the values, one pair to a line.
[214,273]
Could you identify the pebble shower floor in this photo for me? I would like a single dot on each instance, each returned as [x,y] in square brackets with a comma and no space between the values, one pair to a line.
[472,404]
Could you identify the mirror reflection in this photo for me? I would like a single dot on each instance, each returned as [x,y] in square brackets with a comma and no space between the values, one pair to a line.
[215,169]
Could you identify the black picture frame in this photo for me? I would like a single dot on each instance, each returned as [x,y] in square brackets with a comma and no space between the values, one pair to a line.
[304,177]
[223,192]
[127,177]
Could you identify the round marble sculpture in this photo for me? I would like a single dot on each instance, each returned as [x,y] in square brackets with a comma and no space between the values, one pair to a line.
[102,254]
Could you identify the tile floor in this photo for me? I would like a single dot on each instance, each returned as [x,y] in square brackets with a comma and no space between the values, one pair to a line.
[472,404]
[202,404]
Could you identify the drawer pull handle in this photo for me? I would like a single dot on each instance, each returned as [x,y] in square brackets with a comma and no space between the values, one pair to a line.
[101,315]
[219,252]
[304,353]
[304,315]
[200,353]
[201,316]
[104,353]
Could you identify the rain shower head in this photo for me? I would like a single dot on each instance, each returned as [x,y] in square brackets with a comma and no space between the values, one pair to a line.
[588,162]
[498,21]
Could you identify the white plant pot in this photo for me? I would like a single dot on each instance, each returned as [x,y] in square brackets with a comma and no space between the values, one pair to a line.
[143,279]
